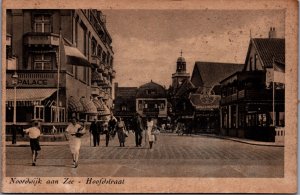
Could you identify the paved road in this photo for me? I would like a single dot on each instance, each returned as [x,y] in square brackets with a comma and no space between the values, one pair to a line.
[172,156]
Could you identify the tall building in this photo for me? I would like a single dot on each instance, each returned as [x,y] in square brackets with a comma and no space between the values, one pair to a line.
[63,60]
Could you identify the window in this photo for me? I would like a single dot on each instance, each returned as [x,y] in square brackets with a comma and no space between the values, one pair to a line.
[94,47]
[42,23]
[162,106]
[123,108]
[103,57]
[39,112]
[61,114]
[99,51]
[42,62]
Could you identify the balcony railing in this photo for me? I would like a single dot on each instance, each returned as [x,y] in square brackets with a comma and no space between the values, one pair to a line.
[34,38]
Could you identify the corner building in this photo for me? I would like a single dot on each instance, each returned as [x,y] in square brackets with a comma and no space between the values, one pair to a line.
[64,63]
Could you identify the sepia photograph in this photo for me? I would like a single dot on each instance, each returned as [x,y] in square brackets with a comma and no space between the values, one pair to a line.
[133,98]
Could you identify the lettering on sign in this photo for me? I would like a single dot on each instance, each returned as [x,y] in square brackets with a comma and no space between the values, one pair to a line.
[32,82]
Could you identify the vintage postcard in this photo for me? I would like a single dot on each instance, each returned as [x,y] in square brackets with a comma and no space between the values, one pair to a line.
[149,96]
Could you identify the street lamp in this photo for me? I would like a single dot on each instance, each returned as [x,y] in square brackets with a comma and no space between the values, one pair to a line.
[15,82]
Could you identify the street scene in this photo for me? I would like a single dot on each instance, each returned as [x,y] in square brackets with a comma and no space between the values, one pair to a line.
[172,156]
[145,93]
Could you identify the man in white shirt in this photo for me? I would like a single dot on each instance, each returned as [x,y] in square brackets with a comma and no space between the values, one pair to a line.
[34,134]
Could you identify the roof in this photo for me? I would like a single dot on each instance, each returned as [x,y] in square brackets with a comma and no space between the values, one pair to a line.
[269,48]
[180,59]
[211,73]
[126,91]
[145,91]
[186,86]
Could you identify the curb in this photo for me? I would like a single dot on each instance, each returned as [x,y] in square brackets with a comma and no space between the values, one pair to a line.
[244,141]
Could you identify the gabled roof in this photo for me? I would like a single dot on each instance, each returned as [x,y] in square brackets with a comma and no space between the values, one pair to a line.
[160,91]
[212,73]
[267,49]
[186,86]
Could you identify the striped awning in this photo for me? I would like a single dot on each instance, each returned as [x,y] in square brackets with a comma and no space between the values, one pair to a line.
[102,109]
[88,106]
[74,104]
[29,94]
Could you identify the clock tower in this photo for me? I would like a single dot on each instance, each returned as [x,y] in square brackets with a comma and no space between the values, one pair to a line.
[180,75]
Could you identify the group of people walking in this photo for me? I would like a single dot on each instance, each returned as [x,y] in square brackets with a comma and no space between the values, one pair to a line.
[76,129]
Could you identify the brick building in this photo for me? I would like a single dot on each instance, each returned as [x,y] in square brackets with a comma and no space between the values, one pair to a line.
[64,63]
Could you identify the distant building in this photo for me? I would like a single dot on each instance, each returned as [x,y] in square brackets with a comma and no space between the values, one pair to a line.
[205,100]
[180,75]
[45,45]
[151,100]
[125,102]
[250,107]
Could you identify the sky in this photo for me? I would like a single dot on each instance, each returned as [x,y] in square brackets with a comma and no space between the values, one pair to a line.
[147,43]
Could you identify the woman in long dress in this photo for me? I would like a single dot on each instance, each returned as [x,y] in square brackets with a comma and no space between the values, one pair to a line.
[150,136]
[74,132]
[121,132]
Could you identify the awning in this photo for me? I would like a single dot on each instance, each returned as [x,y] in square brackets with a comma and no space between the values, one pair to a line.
[74,104]
[99,104]
[75,57]
[88,106]
[104,112]
[29,94]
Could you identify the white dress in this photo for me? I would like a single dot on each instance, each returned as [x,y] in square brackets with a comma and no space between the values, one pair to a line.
[74,142]
[150,125]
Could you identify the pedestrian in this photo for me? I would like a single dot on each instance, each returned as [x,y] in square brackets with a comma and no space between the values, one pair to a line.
[112,126]
[150,136]
[14,134]
[74,132]
[138,130]
[121,132]
[95,132]
[34,134]
[106,132]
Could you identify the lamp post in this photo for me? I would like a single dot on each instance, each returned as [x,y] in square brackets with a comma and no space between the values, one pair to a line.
[15,82]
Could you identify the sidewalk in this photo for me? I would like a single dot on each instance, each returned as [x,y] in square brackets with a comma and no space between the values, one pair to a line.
[26,143]
[241,140]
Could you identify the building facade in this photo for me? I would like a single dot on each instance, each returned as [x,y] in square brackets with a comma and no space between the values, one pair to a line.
[151,100]
[252,103]
[63,60]
[206,99]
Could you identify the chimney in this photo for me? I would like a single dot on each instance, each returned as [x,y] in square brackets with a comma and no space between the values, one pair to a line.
[272,33]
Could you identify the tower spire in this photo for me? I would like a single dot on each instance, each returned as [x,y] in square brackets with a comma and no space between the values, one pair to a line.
[181,53]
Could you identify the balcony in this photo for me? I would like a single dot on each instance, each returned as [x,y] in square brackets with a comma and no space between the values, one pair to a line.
[38,38]
[151,111]
[95,60]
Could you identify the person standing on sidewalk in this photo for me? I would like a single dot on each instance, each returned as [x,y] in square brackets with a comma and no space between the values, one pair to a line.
[34,134]
[106,132]
[112,126]
[138,130]
[121,132]
[73,134]
[95,132]
[150,136]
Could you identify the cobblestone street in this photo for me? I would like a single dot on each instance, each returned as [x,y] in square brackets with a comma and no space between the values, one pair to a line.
[172,156]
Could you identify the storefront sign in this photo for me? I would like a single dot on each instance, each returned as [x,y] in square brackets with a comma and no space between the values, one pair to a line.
[39,82]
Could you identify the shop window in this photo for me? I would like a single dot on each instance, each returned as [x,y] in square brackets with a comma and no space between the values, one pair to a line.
[61,114]
[262,120]
[42,23]
[39,112]
[42,62]
[281,119]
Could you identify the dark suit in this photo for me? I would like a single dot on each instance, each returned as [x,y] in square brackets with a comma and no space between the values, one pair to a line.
[94,129]
[138,129]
